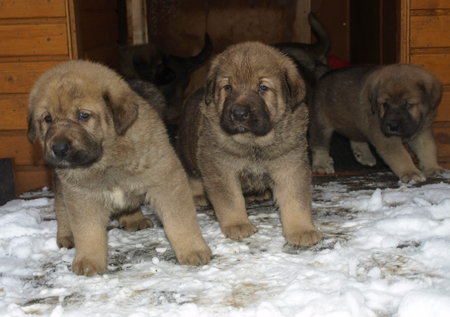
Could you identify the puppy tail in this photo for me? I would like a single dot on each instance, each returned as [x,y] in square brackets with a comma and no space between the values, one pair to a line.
[201,58]
[323,44]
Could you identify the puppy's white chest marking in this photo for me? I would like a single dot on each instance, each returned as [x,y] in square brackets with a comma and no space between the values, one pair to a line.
[116,197]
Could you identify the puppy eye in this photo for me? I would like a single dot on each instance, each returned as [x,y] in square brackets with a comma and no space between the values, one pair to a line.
[48,119]
[227,88]
[385,106]
[84,116]
[262,89]
[409,106]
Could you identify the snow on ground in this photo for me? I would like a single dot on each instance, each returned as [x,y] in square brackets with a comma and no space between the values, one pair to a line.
[386,252]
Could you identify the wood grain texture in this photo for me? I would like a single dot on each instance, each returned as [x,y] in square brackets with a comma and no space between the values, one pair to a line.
[15,144]
[32,8]
[428,4]
[13,111]
[19,77]
[39,39]
[430,31]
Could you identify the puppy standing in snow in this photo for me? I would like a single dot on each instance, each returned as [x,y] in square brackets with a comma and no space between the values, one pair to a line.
[386,106]
[110,153]
[245,133]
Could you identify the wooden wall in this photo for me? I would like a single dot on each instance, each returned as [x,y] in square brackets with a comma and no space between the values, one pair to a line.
[178,27]
[34,37]
[425,41]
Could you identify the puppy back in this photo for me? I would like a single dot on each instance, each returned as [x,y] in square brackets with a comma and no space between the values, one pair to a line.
[188,131]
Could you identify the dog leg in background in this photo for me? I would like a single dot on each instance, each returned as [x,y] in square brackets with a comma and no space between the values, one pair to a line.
[424,147]
[292,192]
[198,191]
[64,237]
[88,226]
[362,153]
[399,160]
[319,143]
[225,194]
[134,220]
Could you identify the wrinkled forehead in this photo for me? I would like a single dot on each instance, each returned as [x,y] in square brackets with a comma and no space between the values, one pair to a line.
[247,68]
[64,93]
[399,91]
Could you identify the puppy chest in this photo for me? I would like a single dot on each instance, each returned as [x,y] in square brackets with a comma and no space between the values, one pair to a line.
[254,180]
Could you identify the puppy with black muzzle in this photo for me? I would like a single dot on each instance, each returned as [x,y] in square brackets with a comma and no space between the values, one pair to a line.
[245,133]
[385,106]
[110,153]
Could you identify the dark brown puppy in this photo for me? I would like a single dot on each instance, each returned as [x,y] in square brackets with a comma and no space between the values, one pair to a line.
[245,133]
[110,153]
[386,106]
[169,73]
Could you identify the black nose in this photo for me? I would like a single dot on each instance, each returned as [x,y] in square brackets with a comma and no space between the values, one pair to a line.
[393,126]
[239,114]
[60,149]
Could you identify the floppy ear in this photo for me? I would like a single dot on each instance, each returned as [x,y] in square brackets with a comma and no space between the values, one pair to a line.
[432,92]
[294,88]
[124,106]
[210,87]
[373,97]
[31,128]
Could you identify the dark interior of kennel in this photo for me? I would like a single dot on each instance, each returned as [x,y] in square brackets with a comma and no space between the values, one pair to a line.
[362,32]
[37,35]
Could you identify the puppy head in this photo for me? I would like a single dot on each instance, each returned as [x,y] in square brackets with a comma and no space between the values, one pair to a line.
[250,87]
[74,109]
[405,98]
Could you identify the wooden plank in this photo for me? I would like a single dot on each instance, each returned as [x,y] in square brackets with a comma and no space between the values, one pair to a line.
[444,162]
[32,178]
[443,110]
[7,182]
[19,77]
[107,54]
[13,110]
[31,9]
[98,4]
[438,64]
[442,137]
[430,4]
[430,31]
[404,31]
[98,28]
[40,39]
[15,144]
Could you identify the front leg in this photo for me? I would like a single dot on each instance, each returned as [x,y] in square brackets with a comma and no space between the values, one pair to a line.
[88,221]
[292,192]
[395,155]
[64,237]
[224,192]
[425,148]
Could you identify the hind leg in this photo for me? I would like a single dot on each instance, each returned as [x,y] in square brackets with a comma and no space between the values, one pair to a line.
[362,153]
[133,221]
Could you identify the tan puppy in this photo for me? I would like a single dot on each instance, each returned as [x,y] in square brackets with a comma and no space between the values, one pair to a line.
[110,153]
[245,133]
[386,106]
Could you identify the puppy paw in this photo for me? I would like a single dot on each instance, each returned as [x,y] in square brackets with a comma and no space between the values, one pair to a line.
[88,267]
[266,195]
[416,176]
[433,171]
[323,166]
[365,158]
[135,225]
[195,257]
[201,200]
[65,242]
[304,238]
[240,231]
